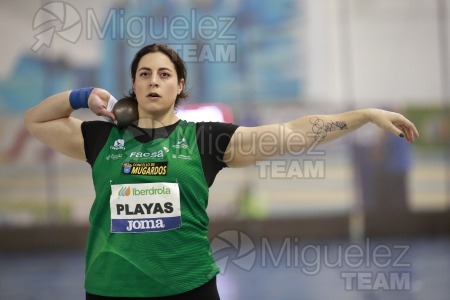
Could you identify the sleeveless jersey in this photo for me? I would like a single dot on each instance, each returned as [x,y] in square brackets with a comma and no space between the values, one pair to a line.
[148,223]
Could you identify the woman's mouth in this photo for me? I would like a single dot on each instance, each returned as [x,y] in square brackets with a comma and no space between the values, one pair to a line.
[153,95]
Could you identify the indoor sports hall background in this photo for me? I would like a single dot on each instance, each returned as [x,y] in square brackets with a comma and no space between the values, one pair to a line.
[334,222]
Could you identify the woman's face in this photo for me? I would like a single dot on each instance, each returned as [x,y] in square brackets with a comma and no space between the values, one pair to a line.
[156,85]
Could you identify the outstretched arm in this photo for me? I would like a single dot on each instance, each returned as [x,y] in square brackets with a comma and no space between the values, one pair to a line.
[51,123]
[251,144]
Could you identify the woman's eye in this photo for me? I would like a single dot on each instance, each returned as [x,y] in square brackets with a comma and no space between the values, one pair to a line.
[144,74]
[165,74]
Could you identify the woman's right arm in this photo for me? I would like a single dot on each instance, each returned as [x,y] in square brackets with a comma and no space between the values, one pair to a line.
[51,123]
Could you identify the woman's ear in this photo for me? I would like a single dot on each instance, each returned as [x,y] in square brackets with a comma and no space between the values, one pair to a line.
[180,86]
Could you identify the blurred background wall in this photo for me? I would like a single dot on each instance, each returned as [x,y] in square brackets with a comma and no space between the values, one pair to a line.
[268,61]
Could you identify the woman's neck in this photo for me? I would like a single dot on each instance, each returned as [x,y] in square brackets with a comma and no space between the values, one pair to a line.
[157,121]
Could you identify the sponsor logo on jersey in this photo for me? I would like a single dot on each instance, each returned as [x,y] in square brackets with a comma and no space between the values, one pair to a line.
[182,156]
[114,156]
[155,154]
[119,144]
[181,144]
[126,191]
[148,169]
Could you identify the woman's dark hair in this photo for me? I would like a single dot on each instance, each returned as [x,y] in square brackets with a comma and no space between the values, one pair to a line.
[177,61]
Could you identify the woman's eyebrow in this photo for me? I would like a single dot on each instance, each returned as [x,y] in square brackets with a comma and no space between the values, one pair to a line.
[160,69]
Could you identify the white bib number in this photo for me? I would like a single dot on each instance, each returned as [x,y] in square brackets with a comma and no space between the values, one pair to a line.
[145,207]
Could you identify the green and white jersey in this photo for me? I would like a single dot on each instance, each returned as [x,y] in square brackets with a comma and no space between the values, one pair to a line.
[148,224]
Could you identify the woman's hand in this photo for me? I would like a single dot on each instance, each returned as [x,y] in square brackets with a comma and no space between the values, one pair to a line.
[393,122]
[101,102]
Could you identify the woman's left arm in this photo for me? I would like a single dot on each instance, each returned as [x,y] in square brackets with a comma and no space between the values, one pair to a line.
[251,144]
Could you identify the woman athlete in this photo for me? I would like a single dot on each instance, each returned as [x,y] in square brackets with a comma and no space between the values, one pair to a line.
[148,222]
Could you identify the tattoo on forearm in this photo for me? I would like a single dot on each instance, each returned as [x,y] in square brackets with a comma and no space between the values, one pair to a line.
[321,129]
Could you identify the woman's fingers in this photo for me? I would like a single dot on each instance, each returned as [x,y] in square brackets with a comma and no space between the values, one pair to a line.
[407,124]
[101,103]
[407,128]
[398,125]
[407,133]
